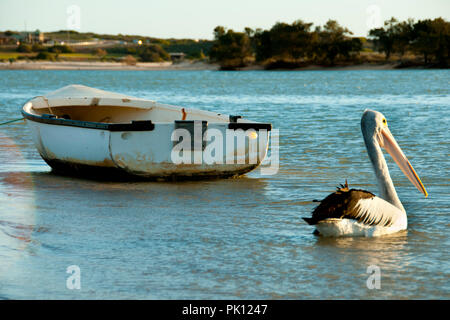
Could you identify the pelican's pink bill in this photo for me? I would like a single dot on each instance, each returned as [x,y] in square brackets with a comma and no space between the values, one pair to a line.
[399,157]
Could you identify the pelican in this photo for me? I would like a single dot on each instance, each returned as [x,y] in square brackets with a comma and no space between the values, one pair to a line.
[354,212]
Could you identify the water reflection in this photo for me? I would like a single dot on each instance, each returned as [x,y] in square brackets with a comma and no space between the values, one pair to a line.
[17,211]
[383,251]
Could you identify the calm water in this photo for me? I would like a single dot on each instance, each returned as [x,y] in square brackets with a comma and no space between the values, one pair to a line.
[239,238]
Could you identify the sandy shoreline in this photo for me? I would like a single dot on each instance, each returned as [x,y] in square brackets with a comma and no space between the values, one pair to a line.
[187,65]
[97,65]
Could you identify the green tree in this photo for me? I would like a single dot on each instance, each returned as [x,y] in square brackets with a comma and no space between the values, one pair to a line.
[384,38]
[403,35]
[291,41]
[334,40]
[441,36]
[283,42]
[231,49]
[432,38]
[262,43]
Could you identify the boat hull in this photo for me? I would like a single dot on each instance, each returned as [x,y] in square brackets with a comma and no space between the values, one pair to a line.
[144,154]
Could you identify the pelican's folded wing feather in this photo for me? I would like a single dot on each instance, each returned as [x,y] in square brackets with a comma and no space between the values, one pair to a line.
[355,204]
[375,211]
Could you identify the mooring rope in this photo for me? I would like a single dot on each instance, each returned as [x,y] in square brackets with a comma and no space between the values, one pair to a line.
[10,121]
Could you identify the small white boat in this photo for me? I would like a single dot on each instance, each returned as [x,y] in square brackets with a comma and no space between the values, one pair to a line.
[78,129]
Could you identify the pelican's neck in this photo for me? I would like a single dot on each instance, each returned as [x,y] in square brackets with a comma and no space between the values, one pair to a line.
[385,185]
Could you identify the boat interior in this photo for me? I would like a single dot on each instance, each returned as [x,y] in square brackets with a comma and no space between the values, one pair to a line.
[125,114]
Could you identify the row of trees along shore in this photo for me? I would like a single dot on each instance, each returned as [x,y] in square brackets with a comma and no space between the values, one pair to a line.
[426,42]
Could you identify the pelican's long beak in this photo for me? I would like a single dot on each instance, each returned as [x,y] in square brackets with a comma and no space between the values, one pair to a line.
[388,142]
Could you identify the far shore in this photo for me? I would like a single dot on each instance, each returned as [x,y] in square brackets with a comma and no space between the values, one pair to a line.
[185,65]
[97,65]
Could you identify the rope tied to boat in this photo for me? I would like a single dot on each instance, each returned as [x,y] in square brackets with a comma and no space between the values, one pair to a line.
[11,121]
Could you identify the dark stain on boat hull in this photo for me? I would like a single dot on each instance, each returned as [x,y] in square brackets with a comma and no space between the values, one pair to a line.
[106,173]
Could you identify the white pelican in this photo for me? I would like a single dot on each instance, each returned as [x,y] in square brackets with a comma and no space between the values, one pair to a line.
[352,212]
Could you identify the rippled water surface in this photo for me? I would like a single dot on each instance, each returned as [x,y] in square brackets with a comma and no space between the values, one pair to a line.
[236,238]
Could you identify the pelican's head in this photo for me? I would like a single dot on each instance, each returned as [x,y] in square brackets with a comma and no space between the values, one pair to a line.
[375,128]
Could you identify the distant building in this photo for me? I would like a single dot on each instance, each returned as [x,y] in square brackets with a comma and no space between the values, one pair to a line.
[177,56]
[22,37]
[4,39]
[8,38]
[35,37]
[19,37]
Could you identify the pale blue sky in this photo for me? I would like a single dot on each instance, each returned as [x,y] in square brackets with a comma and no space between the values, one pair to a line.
[198,18]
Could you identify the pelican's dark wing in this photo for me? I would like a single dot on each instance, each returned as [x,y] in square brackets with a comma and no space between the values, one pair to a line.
[360,205]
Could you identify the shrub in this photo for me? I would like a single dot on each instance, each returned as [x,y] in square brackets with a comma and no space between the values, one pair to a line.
[121,50]
[38,48]
[153,53]
[129,60]
[99,52]
[24,48]
[61,49]
[44,55]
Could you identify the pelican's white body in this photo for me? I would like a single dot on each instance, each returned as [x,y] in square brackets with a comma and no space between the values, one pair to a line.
[377,208]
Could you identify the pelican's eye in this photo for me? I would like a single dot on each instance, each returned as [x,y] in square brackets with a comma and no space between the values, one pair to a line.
[384,121]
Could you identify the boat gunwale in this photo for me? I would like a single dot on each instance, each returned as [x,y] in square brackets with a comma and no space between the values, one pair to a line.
[134,125]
